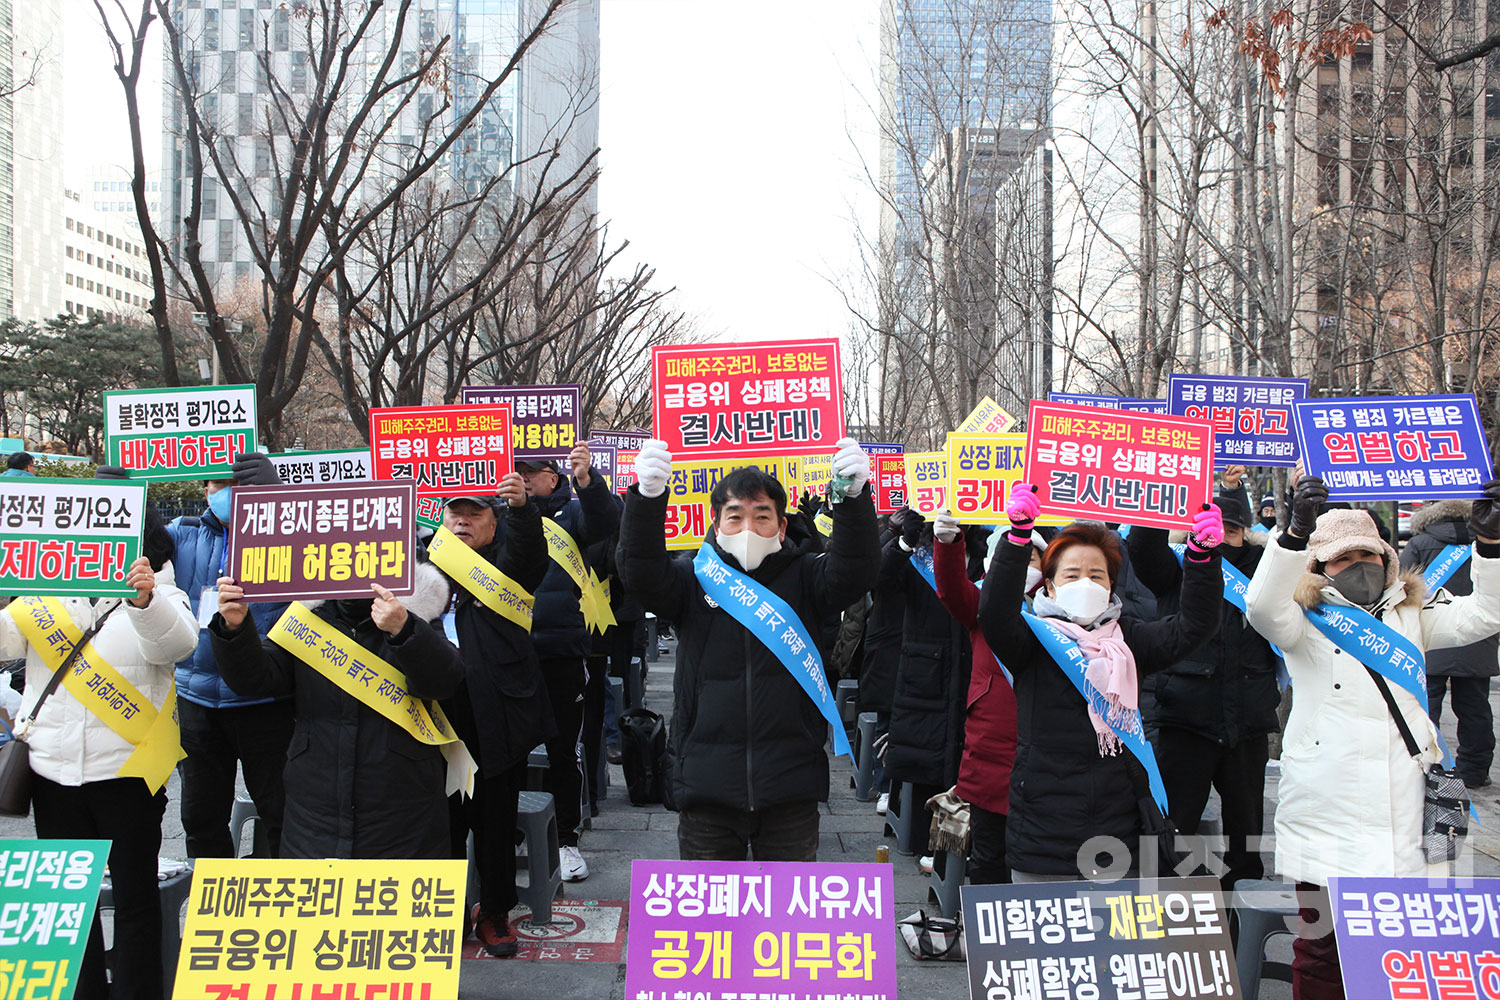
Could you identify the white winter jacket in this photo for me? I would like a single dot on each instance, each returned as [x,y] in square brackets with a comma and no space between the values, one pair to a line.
[1350,800]
[70,744]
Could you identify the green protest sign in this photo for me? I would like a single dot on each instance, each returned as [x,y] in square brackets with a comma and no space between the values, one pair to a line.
[50,889]
[187,433]
[69,537]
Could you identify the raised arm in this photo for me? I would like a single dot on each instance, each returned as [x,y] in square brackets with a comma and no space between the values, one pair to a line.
[601,515]
[1153,561]
[950,568]
[524,559]
[848,568]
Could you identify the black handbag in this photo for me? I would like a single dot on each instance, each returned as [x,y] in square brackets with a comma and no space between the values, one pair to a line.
[1156,826]
[15,756]
[1445,799]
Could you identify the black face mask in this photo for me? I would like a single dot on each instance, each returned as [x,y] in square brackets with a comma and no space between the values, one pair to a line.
[1362,583]
[1237,555]
[1268,522]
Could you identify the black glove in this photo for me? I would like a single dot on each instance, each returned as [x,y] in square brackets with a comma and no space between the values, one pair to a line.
[1307,500]
[809,504]
[1484,515]
[111,472]
[255,468]
[911,529]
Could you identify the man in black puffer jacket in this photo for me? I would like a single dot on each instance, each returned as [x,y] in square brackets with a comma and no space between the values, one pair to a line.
[1216,707]
[750,766]
[1467,669]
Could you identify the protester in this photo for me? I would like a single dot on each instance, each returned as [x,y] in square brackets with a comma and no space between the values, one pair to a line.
[989,745]
[20,464]
[501,710]
[560,634]
[76,758]
[1350,800]
[1468,669]
[1215,708]
[932,677]
[750,768]
[357,784]
[1267,517]
[1073,780]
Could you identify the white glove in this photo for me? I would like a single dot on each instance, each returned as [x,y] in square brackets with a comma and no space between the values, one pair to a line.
[945,526]
[850,462]
[653,468]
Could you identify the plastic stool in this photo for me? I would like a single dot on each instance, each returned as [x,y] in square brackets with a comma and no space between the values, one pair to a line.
[944,890]
[901,817]
[536,818]
[844,699]
[242,813]
[864,772]
[538,767]
[174,893]
[1262,909]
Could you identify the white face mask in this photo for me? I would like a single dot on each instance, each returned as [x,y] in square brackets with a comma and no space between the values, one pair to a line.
[1083,600]
[1033,577]
[749,548]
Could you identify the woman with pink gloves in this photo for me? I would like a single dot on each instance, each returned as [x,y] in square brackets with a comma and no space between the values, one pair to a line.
[1079,795]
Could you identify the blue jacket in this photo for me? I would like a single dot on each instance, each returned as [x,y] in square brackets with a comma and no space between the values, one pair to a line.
[198,563]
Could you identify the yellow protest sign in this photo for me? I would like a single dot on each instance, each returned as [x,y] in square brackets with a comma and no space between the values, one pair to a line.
[688,513]
[982,468]
[927,481]
[263,928]
[988,417]
[815,473]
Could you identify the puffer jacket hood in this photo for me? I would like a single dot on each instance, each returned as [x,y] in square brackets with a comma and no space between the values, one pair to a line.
[1443,515]
[1435,527]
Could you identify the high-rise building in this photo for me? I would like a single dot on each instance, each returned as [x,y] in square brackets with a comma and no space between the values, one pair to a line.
[102,268]
[31,159]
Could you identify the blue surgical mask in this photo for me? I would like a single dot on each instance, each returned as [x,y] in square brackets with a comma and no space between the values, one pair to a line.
[219,502]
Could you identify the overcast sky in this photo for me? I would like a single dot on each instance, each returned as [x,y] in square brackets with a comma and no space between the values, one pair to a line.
[725,131]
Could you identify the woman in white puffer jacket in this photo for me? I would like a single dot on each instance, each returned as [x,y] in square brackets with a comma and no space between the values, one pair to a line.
[1350,800]
[76,758]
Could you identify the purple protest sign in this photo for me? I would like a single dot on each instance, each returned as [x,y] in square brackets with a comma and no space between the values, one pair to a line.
[604,457]
[714,928]
[1418,937]
[1252,417]
[317,541]
[623,440]
[546,421]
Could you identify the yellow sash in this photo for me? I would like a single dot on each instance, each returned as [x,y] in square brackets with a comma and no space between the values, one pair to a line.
[593,595]
[479,577]
[824,524]
[48,627]
[375,684]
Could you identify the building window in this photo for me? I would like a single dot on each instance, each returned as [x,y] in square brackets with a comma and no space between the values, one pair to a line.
[247,30]
[68,251]
[211,30]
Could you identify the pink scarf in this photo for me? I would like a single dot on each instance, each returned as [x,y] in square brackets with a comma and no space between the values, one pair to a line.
[1111,672]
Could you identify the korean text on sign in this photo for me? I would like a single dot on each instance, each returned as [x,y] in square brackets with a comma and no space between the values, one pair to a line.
[546,421]
[623,440]
[345,466]
[1418,939]
[982,468]
[890,483]
[624,470]
[191,433]
[710,928]
[741,400]
[988,417]
[1395,447]
[689,489]
[311,926]
[603,458]
[1130,940]
[1252,417]
[323,541]
[48,892]
[1113,465]
[1128,403]
[69,537]
[926,481]
[448,450]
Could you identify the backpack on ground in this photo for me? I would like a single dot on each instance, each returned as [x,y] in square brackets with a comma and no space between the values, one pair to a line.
[647,760]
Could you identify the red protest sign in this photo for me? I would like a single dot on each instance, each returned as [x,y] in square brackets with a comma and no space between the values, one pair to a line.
[1117,465]
[748,400]
[448,450]
[890,483]
[624,471]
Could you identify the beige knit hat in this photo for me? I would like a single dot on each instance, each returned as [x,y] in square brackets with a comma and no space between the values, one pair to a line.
[1341,531]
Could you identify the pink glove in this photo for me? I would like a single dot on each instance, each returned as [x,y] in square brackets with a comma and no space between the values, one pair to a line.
[1023,506]
[1208,529]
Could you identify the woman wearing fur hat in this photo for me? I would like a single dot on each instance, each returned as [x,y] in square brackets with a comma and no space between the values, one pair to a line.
[1467,669]
[1351,796]
[357,784]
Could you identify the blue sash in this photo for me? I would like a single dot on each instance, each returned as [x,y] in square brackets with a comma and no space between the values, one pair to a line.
[1257,526]
[1071,659]
[1236,586]
[1441,569]
[772,621]
[922,560]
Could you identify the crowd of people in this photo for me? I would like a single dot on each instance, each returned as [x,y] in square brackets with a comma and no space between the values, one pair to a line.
[1072,686]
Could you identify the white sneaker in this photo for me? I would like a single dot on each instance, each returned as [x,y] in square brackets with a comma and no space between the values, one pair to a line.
[883,803]
[926,864]
[574,869]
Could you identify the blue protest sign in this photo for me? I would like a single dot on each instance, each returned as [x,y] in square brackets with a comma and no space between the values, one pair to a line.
[1417,937]
[1395,447]
[882,448]
[1084,399]
[1252,417]
[1143,405]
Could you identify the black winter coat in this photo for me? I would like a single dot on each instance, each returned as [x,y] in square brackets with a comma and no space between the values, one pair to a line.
[1062,792]
[932,680]
[1226,689]
[877,681]
[1434,528]
[503,684]
[357,784]
[557,626]
[745,735]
